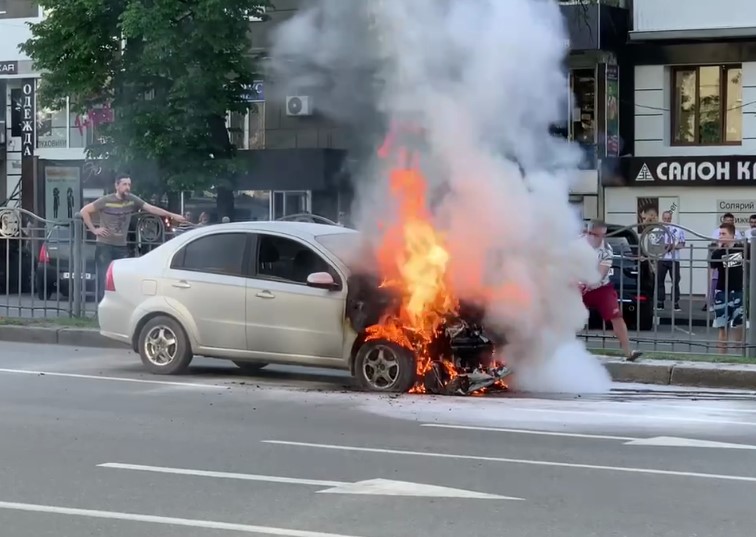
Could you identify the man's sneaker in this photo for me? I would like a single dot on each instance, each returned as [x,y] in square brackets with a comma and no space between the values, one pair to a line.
[677,307]
[660,306]
[633,356]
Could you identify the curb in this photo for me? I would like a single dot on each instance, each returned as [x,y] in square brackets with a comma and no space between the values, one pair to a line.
[660,372]
[693,374]
[74,337]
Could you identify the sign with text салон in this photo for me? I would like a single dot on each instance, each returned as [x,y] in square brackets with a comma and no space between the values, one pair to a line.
[731,170]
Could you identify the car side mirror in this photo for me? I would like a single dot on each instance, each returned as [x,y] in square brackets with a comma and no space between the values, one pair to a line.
[321,280]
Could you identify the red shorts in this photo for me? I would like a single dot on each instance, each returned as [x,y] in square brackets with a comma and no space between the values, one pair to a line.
[603,300]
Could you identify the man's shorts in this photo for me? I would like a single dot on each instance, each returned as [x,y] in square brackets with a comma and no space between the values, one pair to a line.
[728,311]
[604,301]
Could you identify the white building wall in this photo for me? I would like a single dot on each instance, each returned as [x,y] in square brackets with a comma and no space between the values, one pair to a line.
[671,15]
[696,208]
[653,98]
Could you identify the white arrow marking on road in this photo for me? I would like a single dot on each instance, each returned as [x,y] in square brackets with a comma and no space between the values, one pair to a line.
[388,487]
[380,487]
[661,441]
[671,441]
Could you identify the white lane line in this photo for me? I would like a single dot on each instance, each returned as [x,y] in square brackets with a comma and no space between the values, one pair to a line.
[529,462]
[380,487]
[117,379]
[636,416]
[223,475]
[527,431]
[169,521]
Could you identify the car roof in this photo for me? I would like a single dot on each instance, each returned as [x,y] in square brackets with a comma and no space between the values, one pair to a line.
[299,229]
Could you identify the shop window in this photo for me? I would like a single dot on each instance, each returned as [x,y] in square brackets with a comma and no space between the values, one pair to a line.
[583,128]
[51,129]
[247,130]
[707,105]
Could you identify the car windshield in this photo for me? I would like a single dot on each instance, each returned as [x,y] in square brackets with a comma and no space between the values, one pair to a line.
[348,247]
[620,246]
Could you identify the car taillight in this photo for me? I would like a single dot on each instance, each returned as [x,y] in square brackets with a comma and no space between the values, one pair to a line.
[640,298]
[109,280]
[44,257]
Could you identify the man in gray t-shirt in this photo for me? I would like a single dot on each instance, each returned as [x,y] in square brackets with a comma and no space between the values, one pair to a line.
[115,211]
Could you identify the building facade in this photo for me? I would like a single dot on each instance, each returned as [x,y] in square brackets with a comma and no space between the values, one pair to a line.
[42,152]
[599,75]
[694,151]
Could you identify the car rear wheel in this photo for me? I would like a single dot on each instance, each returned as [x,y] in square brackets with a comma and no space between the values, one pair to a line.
[382,366]
[164,347]
[249,368]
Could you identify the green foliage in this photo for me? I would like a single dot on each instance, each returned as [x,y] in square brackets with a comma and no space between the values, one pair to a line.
[169,69]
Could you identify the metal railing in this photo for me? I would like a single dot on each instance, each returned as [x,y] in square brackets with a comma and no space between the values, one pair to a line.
[48,267]
[48,270]
[670,302]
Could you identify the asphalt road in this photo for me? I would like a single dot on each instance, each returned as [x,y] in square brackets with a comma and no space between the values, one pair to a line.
[91,445]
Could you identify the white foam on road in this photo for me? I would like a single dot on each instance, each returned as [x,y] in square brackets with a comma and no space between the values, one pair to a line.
[163,520]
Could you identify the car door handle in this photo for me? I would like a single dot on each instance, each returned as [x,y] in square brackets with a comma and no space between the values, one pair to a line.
[182,284]
[265,294]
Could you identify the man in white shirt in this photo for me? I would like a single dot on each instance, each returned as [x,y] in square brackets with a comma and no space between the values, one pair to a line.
[670,263]
[601,296]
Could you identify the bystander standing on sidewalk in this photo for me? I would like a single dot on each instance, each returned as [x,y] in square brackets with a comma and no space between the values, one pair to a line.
[728,261]
[670,263]
[115,212]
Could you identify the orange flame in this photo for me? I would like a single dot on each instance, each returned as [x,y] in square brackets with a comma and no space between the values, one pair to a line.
[414,259]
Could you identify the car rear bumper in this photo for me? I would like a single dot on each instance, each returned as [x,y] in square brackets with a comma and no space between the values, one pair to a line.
[115,318]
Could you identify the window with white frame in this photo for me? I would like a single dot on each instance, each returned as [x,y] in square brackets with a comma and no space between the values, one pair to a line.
[247,130]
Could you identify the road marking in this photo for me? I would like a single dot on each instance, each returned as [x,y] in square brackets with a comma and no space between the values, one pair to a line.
[515,461]
[382,487]
[671,441]
[99,377]
[633,416]
[169,521]
[526,431]
[662,441]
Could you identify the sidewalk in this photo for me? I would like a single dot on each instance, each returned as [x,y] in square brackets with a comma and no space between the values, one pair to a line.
[648,371]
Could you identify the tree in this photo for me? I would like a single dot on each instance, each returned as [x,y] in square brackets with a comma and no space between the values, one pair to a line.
[169,70]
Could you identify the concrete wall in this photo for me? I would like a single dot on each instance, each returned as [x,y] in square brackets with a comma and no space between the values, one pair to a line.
[653,97]
[666,15]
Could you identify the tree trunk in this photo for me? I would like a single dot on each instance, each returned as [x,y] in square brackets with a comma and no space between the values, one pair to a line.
[224,203]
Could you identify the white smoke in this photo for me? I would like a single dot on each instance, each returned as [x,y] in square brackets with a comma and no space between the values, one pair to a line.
[485,79]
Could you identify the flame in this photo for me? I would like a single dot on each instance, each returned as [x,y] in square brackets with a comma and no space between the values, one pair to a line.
[414,260]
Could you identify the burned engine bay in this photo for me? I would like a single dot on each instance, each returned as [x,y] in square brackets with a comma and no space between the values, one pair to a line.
[460,358]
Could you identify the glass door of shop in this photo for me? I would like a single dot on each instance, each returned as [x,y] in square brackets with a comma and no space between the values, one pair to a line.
[290,202]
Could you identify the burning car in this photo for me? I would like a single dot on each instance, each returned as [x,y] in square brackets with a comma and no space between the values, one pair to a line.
[311,294]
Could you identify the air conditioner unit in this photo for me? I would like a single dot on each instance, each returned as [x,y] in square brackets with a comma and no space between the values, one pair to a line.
[298,105]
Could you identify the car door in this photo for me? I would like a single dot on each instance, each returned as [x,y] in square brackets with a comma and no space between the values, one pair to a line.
[206,281]
[285,317]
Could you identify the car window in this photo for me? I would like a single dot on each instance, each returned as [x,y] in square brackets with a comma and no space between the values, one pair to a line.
[221,253]
[65,234]
[285,259]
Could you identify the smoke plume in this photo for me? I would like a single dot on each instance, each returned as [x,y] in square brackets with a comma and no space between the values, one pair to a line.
[485,80]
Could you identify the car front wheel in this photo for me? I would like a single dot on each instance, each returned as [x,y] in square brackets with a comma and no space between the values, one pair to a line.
[383,366]
[164,347]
